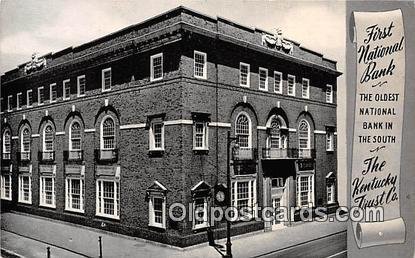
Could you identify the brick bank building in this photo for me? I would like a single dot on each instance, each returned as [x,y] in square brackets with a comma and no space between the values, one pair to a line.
[110,133]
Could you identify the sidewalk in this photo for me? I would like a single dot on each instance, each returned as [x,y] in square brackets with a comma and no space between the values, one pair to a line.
[84,240]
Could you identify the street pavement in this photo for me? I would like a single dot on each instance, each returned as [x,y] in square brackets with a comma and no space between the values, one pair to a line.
[29,235]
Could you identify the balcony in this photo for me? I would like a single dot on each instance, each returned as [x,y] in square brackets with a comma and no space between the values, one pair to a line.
[291,153]
[106,156]
[306,153]
[23,156]
[6,156]
[46,156]
[73,155]
[244,154]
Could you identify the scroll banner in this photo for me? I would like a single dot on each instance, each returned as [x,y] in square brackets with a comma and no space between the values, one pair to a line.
[380,46]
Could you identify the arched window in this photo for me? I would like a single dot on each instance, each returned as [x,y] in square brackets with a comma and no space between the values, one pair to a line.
[75,136]
[25,140]
[6,142]
[48,138]
[108,134]
[303,135]
[243,130]
[275,134]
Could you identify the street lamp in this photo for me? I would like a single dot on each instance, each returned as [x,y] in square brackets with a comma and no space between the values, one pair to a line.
[228,185]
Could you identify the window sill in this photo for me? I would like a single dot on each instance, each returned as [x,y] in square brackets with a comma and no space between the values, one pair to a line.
[106,90]
[262,89]
[330,151]
[47,206]
[6,199]
[157,226]
[156,79]
[200,151]
[278,92]
[244,86]
[156,152]
[25,202]
[107,216]
[200,77]
[66,98]
[80,96]
[75,210]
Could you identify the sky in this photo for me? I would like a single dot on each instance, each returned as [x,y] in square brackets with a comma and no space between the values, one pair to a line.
[28,26]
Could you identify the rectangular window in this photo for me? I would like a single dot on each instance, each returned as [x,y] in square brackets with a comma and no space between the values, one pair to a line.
[19,103]
[277,82]
[66,89]
[330,193]
[10,103]
[157,136]
[157,210]
[6,187]
[108,198]
[47,191]
[305,93]
[263,78]
[244,195]
[330,141]
[329,93]
[25,189]
[106,79]
[291,85]
[305,190]
[53,93]
[244,74]
[74,194]
[29,98]
[40,97]
[200,136]
[200,213]
[81,85]
[200,65]
[156,67]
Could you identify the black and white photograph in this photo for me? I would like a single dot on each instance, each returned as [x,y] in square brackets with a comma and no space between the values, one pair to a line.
[206,128]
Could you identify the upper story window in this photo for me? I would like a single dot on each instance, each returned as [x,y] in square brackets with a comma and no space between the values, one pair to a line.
[81,85]
[29,98]
[277,82]
[304,135]
[53,93]
[108,134]
[329,93]
[291,85]
[25,140]
[19,103]
[243,130]
[263,78]
[330,141]
[200,141]
[40,97]
[200,65]
[244,74]
[157,135]
[75,136]
[10,103]
[66,89]
[106,79]
[305,93]
[275,141]
[156,67]
[48,138]
[6,144]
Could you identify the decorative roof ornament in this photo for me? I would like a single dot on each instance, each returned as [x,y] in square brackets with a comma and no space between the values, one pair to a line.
[35,64]
[277,42]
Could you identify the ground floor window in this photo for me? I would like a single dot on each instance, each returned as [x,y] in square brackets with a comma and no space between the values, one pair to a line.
[25,189]
[157,211]
[330,193]
[47,191]
[74,194]
[305,190]
[108,198]
[6,187]
[244,194]
[200,212]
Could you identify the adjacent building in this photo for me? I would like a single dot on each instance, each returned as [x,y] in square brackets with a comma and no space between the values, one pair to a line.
[111,133]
